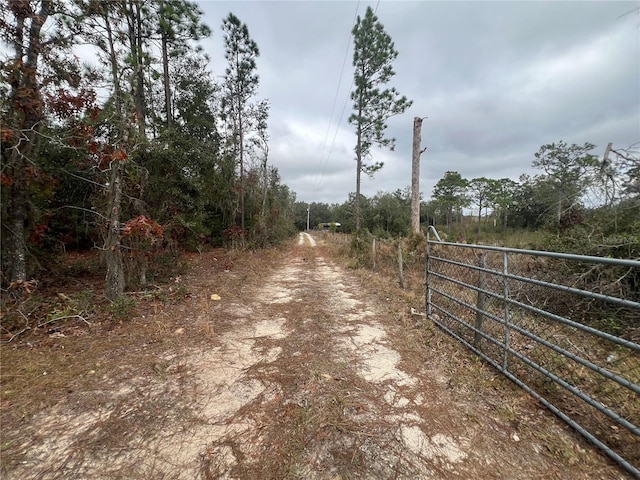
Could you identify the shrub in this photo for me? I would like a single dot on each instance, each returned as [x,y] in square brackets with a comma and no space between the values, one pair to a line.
[122,308]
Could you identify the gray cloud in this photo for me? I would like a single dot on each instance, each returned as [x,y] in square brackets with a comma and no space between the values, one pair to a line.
[496,79]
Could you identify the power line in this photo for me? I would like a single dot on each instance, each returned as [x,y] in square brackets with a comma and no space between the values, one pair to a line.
[344,106]
[335,99]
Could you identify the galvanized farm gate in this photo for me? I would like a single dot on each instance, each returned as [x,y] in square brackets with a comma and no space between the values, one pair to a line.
[563,327]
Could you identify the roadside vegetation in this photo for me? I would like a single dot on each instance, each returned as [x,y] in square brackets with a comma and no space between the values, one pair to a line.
[579,204]
[139,155]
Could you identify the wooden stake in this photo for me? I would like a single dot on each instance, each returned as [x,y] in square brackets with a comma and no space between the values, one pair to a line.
[400,269]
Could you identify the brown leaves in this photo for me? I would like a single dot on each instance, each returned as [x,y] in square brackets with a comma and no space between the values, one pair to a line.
[6,135]
[143,228]
[5,180]
[119,155]
[23,286]
[65,104]
[38,233]
[104,155]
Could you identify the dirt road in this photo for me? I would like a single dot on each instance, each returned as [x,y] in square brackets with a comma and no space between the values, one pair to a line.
[307,377]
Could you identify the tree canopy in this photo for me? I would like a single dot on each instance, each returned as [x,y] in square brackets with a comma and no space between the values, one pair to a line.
[155,166]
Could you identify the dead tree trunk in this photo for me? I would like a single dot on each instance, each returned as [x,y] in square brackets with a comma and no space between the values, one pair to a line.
[415,175]
[358,171]
[373,253]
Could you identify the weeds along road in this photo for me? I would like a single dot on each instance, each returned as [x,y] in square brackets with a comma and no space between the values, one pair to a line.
[306,376]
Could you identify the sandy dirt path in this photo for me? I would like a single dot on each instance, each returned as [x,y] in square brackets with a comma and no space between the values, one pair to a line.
[310,379]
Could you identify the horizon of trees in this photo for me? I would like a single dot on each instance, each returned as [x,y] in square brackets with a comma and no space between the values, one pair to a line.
[574,187]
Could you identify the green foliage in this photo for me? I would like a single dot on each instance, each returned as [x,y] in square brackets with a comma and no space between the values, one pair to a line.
[389,214]
[585,240]
[417,242]
[373,56]
[569,170]
[502,198]
[361,241]
[85,299]
[60,313]
[76,306]
[122,308]
[241,52]
[275,222]
[611,325]
[194,92]
[179,22]
[318,213]
[622,282]
[240,85]
[530,206]
[450,195]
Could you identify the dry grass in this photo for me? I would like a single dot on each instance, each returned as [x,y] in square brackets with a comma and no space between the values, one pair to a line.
[470,376]
[72,358]
[605,354]
[310,423]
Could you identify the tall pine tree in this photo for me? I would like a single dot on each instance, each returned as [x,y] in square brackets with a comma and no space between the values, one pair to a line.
[373,55]
[179,22]
[37,65]
[240,84]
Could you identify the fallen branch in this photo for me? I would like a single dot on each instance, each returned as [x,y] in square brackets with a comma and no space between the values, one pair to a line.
[62,318]
[18,334]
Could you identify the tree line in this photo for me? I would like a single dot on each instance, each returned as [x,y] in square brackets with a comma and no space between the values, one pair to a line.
[574,188]
[140,153]
[143,152]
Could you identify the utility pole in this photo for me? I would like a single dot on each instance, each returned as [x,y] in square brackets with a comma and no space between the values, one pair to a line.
[308,205]
[415,174]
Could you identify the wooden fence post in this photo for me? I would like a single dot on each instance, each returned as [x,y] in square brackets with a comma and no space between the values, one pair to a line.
[400,271]
[373,253]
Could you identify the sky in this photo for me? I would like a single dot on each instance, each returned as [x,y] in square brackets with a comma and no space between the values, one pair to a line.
[496,81]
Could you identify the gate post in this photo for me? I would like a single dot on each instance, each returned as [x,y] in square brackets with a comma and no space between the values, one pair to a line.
[505,295]
[427,300]
[482,285]
[427,293]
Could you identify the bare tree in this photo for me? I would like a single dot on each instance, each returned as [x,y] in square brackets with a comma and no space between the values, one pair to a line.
[415,174]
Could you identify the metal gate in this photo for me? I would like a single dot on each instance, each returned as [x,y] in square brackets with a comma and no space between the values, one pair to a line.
[563,327]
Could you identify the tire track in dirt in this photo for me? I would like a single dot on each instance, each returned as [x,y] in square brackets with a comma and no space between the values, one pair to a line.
[308,380]
[338,405]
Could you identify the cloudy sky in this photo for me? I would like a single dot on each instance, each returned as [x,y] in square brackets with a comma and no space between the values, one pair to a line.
[497,80]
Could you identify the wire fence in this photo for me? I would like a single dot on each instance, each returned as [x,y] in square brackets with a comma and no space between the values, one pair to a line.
[563,327]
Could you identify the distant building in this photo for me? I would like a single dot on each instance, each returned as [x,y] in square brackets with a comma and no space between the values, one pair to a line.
[326,226]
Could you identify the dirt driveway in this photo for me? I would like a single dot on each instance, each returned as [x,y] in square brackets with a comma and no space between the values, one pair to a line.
[306,376]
